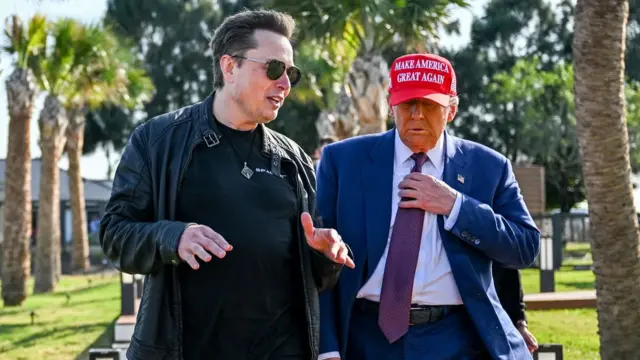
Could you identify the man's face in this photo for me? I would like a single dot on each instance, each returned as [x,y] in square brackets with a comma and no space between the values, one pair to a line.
[421,122]
[259,97]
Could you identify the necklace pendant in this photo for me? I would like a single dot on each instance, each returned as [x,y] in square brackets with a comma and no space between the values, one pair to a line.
[246,172]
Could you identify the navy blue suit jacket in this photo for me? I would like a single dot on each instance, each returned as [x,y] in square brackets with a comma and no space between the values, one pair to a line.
[354,197]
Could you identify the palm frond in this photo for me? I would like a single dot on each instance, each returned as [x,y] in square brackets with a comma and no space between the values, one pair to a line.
[369,26]
[53,66]
[139,87]
[106,71]
[24,42]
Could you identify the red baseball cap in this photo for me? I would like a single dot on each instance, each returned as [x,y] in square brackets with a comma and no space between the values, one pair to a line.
[421,76]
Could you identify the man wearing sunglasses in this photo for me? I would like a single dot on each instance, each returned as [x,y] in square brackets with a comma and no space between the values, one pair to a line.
[218,212]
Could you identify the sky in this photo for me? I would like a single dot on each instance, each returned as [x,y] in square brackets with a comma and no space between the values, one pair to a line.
[95,165]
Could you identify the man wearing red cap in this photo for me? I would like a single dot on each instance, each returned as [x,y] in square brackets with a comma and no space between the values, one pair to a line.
[425,214]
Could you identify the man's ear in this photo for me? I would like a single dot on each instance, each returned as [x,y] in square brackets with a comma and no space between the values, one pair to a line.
[452,113]
[228,66]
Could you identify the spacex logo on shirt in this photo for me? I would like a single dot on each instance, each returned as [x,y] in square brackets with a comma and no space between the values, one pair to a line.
[261,170]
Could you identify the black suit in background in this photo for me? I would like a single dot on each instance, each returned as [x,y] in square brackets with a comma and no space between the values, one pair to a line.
[509,288]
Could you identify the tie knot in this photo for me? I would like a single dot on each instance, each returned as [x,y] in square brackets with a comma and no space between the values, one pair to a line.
[420,159]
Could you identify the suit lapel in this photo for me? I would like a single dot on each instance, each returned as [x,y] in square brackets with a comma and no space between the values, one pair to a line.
[377,179]
[457,175]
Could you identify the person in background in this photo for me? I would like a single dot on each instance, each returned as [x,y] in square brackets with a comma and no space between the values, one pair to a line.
[509,289]
[94,224]
[317,155]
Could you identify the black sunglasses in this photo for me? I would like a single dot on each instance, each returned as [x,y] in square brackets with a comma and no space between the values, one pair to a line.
[275,69]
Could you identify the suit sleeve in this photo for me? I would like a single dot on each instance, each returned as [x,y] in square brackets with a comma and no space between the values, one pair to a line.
[129,236]
[327,195]
[509,289]
[505,231]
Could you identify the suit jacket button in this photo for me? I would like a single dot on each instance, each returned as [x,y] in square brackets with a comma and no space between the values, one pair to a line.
[477,242]
[465,234]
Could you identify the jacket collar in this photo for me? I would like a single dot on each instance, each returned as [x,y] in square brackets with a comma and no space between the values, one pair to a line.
[207,130]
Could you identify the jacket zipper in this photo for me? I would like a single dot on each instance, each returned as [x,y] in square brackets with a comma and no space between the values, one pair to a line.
[182,172]
[307,308]
[186,164]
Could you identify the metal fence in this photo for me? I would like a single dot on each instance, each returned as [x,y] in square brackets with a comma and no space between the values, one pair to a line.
[569,227]
[556,230]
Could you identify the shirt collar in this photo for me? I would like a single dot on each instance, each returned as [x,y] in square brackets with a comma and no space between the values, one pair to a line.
[211,134]
[403,153]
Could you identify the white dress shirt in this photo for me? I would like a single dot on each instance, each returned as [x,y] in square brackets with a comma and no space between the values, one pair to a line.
[433,282]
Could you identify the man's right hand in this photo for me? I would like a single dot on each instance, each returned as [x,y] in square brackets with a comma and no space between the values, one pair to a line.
[201,241]
[529,339]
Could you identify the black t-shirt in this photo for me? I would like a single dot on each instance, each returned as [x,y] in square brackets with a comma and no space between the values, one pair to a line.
[249,304]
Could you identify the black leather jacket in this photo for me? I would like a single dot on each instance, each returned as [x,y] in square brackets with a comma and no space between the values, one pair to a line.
[139,235]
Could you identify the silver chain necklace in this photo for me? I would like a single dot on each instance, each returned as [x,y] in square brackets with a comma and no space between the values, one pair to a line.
[246,172]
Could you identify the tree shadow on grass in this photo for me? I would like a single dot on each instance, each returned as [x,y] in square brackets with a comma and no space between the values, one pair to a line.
[103,341]
[81,290]
[49,334]
[72,303]
[579,285]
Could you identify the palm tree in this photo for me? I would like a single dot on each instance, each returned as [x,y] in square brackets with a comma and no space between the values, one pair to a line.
[88,87]
[24,42]
[598,53]
[368,28]
[54,70]
[111,76]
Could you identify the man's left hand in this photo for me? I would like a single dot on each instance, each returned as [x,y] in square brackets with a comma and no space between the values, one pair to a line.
[427,193]
[528,337]
[326,241]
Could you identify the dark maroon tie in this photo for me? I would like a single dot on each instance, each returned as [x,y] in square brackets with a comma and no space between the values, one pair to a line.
[400,269]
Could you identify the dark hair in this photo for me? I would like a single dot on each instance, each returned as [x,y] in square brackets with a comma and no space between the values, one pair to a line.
[236,35]
[327,140]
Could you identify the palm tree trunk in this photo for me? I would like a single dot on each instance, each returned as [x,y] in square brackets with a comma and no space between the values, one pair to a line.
[368,80]
[80,237]
[598,52]
[342,122]
[53,123]
[362,106]
[16,262]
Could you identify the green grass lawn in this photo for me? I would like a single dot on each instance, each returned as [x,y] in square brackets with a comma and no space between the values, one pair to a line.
[576,330]
[566,280]
[577,254]
[575,249]
[62,330]
[67,330]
